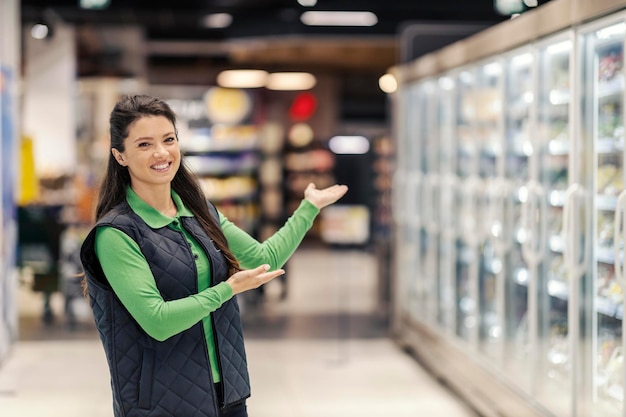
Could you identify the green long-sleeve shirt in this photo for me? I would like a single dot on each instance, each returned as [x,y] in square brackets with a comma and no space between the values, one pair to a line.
[128,273]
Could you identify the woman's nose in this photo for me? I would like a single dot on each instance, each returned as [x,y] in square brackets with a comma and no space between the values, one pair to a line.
[159,150]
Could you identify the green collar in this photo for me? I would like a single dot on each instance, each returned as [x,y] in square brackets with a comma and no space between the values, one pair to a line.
[152,216]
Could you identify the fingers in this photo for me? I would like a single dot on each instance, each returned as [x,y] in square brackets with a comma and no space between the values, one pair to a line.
[339,190]
[252,278]
[268,276]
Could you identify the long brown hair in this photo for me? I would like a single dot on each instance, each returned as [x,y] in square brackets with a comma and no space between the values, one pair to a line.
[129,109]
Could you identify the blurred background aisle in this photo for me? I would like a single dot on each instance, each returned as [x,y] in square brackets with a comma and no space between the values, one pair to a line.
[321,351]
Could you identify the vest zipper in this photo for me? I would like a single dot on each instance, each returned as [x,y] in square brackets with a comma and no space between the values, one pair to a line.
[220,402]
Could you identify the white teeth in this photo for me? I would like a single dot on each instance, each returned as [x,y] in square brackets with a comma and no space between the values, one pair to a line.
[161,166]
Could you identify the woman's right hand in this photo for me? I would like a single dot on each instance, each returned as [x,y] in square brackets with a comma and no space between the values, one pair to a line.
[252,278]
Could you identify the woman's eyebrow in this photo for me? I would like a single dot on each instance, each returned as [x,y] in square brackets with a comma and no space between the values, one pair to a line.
[150,137]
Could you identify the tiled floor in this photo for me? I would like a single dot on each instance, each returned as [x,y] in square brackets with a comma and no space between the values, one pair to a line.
[321,352]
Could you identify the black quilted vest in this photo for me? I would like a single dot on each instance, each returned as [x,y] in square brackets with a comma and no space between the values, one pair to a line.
[170,378]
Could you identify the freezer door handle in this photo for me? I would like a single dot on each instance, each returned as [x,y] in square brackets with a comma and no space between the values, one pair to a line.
[572,232]
[431,190]
[501,209]
[618,236]
[470,219]
[533,215]
[449,198]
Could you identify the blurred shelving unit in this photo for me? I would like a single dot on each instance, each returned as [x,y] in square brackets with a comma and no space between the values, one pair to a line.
[226,159]
[220,141]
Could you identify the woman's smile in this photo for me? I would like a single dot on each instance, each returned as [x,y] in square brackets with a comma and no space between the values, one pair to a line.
[162,167]
[151,152]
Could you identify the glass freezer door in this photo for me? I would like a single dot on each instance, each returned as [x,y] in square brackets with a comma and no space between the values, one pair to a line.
[448,198]
[419,179]
[402,206]
[412,249]
[429,199]
[489,135]
[553,142]
[523,254]
[466,212]
[603,128]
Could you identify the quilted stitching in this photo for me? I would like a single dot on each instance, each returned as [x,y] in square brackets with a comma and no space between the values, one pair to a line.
[180,382]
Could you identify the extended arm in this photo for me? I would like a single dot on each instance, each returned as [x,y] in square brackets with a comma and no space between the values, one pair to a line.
[130,277]
[277,249]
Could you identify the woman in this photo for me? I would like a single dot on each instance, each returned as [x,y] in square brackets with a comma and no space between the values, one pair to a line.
[162,267]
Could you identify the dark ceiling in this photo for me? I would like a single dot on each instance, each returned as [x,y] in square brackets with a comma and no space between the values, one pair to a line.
[181,19]
[276,20]
[265,34]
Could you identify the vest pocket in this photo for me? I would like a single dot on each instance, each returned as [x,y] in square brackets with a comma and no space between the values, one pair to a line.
[145,379]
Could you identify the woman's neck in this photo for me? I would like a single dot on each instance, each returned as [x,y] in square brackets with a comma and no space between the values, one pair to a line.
[160,198]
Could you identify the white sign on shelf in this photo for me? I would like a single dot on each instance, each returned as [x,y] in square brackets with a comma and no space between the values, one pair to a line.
[345,224]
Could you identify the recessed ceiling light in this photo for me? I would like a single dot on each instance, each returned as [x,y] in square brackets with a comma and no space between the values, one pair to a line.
[290,81]
[94,4]
[388,83]
[217,20]
[324,18]
[356,145]
[242,78]
[39,31]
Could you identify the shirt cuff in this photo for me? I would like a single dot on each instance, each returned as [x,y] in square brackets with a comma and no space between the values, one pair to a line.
[224,290]
[308,208]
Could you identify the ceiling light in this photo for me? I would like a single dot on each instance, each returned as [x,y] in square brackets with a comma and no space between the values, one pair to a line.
[307,3]
[217,20]
[317,18]
[40,31]
[242,78]
[388,83]
[94,4]
[355,145]
[290,81]
[508,7]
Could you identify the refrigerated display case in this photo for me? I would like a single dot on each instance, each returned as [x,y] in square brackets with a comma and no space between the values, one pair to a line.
[448,197]
[406,217]
[527,182]
[427,140]
[467,210]
[602,45]
[488,134]
[520,247]
[414,215]
[552,146]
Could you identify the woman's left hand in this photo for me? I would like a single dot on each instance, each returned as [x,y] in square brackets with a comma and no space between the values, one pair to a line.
[324,197]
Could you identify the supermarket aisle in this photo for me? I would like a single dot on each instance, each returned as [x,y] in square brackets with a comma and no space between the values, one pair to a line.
[321,352]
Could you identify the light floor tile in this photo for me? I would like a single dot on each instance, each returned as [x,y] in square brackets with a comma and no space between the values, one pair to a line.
[295,374]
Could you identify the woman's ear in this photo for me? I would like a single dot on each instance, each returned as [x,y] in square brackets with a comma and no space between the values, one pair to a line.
[118,157]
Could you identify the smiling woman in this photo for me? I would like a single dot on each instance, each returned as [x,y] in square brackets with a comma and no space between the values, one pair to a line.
[152,156]
[162,267]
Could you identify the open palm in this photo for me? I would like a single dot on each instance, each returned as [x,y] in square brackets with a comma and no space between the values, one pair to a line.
[326,196]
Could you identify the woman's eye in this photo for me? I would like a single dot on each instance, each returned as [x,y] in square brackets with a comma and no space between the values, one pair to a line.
[170,139]
[143,144]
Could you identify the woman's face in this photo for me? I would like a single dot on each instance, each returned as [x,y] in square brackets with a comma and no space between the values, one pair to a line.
[151,152]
